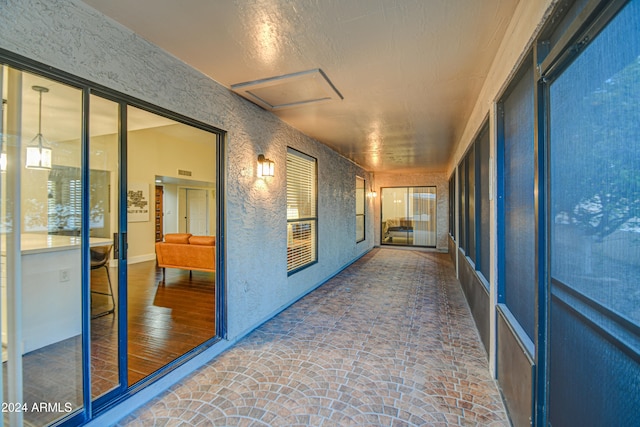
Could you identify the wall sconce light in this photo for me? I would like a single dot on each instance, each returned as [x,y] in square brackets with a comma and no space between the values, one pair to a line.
[372,192]
[38,150]
[265,166]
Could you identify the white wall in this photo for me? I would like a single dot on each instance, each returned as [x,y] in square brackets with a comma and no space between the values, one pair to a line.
[170,207]
[155,151]
[71,36]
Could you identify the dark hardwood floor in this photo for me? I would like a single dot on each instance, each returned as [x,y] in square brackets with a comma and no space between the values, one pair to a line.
[167,320]
[164,322]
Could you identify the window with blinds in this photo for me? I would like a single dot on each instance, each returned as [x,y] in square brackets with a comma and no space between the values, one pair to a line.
[360,203]
[64,201]
[301,210]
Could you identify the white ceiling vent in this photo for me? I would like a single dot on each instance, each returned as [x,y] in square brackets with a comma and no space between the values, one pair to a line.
[290,90]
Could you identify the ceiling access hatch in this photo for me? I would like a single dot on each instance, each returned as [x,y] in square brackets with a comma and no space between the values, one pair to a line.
[290,90]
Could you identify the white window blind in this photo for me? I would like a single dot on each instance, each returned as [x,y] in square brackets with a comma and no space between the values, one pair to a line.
[301,210]
[64,201]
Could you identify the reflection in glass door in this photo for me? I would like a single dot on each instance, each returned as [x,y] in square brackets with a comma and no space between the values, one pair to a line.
[409,216]
[41,248]
[103,222]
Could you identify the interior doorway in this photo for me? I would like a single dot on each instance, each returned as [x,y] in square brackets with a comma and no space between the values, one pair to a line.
[194,211]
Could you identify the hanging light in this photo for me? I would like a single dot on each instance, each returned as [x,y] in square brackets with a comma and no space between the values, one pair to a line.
[38,150]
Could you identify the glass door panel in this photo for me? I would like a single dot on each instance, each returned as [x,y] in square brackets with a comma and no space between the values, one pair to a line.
[171,310]
[396,225]
[423,209]
[41,225]
[103,220]
[409,216]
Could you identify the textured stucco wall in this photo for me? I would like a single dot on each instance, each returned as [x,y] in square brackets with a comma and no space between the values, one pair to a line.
[439,180]
[71,36]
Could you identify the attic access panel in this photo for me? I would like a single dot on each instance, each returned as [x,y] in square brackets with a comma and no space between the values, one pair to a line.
[289,90]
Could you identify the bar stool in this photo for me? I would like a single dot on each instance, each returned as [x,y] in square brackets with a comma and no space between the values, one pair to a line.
[99,259]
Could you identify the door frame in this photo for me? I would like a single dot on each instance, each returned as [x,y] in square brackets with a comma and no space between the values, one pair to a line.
[433,219]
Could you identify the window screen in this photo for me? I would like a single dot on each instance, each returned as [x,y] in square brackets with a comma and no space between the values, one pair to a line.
[594,143]
[452,206]
[471,204]
[518,248]
[462,203]
[482,201]
[301,210]
[595,170]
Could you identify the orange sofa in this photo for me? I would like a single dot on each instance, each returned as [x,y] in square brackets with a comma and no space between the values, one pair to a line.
[187,252]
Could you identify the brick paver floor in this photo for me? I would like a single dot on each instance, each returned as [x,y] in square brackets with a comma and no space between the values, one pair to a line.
[388,342]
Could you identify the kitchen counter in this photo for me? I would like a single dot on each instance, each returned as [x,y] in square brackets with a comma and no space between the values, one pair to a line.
[51,288]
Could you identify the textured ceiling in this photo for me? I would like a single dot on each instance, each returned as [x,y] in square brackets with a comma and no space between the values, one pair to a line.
[409,70]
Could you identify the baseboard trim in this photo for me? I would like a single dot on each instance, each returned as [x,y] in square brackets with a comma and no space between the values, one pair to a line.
[134,260]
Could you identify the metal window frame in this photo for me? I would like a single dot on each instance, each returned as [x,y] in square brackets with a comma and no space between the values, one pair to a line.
[550,62]
[303,155]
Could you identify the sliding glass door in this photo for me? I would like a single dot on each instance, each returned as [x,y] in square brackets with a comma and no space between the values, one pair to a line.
[104,205]
[409,216]
[87,308]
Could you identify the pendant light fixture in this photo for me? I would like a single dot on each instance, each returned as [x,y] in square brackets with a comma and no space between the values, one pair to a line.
[38,150]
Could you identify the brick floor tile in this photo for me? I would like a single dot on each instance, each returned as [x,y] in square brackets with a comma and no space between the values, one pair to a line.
[388,342]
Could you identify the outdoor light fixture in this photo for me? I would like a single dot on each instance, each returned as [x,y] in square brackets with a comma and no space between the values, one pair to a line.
[372,192]
[265,166]
[38,150]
